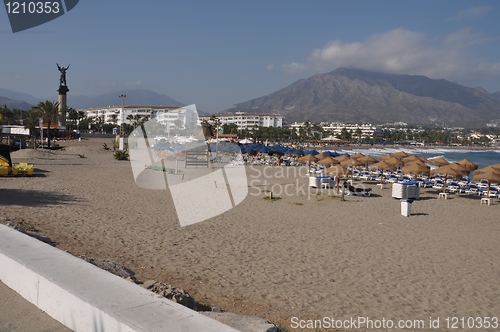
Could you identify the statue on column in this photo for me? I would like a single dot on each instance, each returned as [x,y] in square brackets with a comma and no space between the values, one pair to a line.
[62,80]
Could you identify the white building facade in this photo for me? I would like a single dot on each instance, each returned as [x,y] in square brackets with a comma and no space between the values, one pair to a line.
[335,128]
[167,115]
[248,120]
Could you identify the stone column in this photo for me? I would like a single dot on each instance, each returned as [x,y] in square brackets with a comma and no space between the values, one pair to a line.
[61,119]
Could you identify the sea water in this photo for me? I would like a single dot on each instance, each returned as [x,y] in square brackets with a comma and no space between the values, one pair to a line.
[482,158]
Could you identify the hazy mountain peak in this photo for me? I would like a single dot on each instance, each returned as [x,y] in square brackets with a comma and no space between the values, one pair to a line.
[134,97]
[357,95]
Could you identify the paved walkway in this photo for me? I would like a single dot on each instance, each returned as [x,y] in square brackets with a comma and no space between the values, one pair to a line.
[19,315]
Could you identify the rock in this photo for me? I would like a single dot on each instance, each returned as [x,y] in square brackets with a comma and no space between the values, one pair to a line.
[242,323]
[110,266]
[177,295]
[29,230]
[149,284]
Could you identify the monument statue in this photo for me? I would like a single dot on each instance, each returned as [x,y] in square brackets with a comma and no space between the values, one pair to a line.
[62,80]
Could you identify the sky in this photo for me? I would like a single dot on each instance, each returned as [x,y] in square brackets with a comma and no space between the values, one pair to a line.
[216,53]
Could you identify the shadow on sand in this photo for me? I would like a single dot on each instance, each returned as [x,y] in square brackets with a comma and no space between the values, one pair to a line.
[33,197]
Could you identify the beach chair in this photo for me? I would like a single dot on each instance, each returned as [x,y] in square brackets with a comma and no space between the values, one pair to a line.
[438,185]
[358,191]
[326,182]
[453,187]
[473,191]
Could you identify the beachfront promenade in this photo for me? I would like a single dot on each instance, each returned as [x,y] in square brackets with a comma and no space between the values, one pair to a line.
[81,296]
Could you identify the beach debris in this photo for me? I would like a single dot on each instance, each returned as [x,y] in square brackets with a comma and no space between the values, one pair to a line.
[112,267]
[239,322]
[162,169]
[272,199]
[172,293]
[19,225]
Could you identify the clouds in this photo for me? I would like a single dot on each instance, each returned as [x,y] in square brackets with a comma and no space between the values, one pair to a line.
[294,67]
[402,51]
[472,12]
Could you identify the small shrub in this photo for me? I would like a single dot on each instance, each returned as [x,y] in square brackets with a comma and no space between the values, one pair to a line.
[275,198]
[121,155]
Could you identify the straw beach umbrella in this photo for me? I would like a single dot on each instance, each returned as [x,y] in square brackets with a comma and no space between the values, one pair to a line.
[415,168]
[459,167]
[351,162]
[411,158]
[495,168]
[400,154]
[394,161]
[491,174]
[321,156]
[438,161]
[468,164]
[367,159]
[328,161]
[416,161]
[385,156]
[336,170]
[357,155]
[308,158]
[342,157]
[382,165]
[447,170]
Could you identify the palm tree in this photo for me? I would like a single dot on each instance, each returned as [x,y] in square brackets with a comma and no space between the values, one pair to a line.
[8,116]
[72,116]
[359,132]
[30,122]
[113,118]
[81,115]
[48,112]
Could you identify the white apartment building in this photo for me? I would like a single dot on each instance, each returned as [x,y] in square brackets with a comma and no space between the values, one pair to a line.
[248,120]
[166,115]
[184,117]
[335,128]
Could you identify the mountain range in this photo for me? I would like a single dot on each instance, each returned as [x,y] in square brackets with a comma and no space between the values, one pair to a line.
[14,104]
[360,96]
[342,95]
[134,97]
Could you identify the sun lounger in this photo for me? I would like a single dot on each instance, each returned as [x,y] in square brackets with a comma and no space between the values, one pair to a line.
[358,191]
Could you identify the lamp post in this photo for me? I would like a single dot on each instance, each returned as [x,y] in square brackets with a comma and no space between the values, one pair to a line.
[122,135]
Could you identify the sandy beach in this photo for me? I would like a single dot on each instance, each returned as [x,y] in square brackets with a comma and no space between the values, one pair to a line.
[308,255]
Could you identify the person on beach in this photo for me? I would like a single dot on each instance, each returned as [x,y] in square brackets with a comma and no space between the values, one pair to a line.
[344,188]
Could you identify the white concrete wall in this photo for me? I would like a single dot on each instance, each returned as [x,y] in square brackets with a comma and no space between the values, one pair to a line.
[86,298]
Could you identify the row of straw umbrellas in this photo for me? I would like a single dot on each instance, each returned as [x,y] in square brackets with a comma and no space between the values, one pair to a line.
[409,164]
